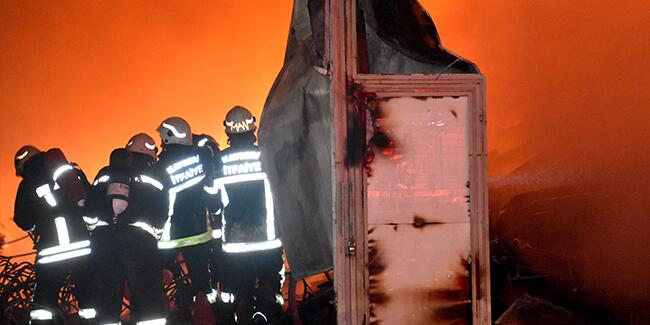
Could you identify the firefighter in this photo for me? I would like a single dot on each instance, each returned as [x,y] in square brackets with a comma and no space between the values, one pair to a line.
[212,146]
[208,142]
[187,170]
[127,211]
[251,247]
[49,205]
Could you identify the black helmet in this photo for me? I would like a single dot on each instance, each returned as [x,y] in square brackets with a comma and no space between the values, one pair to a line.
[239,120]
[207,141]
[21,157]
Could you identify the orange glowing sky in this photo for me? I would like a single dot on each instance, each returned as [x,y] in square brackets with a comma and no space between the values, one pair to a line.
[86,75]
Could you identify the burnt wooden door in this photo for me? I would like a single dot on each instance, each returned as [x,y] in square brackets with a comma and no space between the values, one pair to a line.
[419,215]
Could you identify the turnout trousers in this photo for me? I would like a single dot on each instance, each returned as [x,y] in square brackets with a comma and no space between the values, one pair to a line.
[197,261]
[126,253]
[250,282]
[50,278]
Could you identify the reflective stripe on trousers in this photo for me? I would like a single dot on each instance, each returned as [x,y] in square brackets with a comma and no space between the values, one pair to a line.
[251,247]
[63,256]
[40,314]
[87,313]
[65,250]
[187,241]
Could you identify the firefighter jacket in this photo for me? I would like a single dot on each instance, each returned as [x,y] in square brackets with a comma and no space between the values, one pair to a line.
[187,172]
[213,202]
[49,203]
[132,196]
[248,222]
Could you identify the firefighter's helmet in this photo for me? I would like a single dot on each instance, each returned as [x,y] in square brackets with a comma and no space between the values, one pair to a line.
[21,157]
[239,120]
[175,130]
[143,143]
[207,141]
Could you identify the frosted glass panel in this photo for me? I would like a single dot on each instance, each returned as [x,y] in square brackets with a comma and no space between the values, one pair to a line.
[418,218]
[426,176]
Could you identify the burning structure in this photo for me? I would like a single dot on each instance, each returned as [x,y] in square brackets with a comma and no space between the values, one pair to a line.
[374,138]
[374,125]
[374,135]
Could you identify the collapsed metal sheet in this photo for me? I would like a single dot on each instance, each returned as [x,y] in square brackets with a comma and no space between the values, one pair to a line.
[296,141]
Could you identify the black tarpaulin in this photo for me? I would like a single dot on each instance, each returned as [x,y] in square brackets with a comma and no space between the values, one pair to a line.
[296,126]
[296,141]
[400,37]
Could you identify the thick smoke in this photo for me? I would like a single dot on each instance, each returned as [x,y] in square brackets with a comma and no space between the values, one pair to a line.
[575,134]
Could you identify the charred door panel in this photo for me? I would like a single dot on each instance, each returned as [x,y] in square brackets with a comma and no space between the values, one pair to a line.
[418,214]
[424,178]
[419,275]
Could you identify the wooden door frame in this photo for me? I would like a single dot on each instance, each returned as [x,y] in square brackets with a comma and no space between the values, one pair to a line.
[349,207]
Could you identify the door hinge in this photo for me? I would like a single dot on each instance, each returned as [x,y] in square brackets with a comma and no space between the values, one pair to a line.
[351,247]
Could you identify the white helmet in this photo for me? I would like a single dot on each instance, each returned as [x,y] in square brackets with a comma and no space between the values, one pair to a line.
[22,156]
[175,130]
[239,120]
[143,143]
